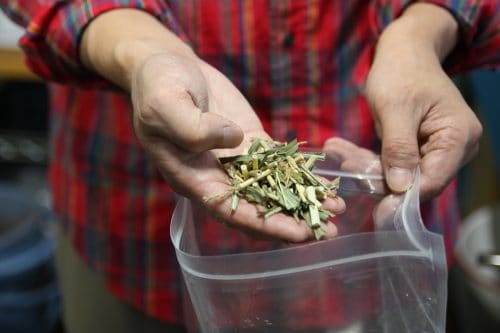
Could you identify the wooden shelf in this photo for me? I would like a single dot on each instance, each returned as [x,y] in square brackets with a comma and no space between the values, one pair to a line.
[12,66]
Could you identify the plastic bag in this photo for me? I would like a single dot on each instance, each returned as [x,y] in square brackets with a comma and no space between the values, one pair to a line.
[383,273]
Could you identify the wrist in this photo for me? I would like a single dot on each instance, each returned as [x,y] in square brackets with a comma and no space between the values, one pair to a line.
[115,52]
[130,55]
[428,30]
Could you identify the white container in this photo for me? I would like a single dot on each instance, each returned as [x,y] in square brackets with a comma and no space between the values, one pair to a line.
[476,238]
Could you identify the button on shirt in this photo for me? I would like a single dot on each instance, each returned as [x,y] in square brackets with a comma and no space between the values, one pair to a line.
[301,64]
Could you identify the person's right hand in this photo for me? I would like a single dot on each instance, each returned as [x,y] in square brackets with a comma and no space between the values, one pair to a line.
[182,109]
[187,115]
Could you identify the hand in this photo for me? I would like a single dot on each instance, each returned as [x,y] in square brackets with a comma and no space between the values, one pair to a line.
[357,160]
[186,115]
[420,115]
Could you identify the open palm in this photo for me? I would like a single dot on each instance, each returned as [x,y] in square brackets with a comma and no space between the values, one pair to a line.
[187,115]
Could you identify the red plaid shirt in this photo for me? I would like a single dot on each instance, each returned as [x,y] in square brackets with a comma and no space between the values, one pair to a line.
[301,64]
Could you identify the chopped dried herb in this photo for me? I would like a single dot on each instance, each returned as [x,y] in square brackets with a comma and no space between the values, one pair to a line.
[278,177]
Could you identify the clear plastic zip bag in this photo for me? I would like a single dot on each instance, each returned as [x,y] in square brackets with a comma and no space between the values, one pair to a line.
[385,272]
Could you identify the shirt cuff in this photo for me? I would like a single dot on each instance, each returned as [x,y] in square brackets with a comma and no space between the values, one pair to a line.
[479,38]
[478,27]
[52,37]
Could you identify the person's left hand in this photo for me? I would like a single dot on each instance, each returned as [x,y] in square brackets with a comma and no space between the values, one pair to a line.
[419,114]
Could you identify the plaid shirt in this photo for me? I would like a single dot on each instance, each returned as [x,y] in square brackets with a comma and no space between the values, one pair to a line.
[301,64]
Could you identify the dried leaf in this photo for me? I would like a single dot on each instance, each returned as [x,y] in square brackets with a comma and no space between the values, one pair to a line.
[278,177]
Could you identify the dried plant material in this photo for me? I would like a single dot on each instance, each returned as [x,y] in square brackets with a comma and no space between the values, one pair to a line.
[278,177]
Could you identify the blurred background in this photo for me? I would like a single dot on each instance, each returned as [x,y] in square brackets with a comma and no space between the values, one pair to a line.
[29,299]
[29,294]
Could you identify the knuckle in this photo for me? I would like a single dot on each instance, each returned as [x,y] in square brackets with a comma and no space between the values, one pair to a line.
[401,149]
[155,105]
[149,109]
[334,141]
[200,100]
[159,98]
[331,143]
[450,139]
[147,116]
[460,134]
[476,130]
[473,151]
[472,144]
[331,140]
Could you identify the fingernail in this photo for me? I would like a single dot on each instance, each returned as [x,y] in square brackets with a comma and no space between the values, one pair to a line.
[399,179]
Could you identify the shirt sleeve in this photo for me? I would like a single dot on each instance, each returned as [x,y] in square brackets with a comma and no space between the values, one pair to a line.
[479,23]
[54,28]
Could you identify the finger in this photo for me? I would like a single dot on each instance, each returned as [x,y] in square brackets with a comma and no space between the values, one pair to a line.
[436,173]
[351,157]
[439,165]
[448,147]
[400,152]
[248,218]
[341,150]
[383,214]
[355,159]
[336,205]
[176,117]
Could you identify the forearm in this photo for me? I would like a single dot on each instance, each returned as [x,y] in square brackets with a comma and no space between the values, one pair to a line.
[116,43]
[424,29]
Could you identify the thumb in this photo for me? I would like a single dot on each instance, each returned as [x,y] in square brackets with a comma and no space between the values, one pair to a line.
[215,131]
[400,152]
[188,127]
[199,131]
